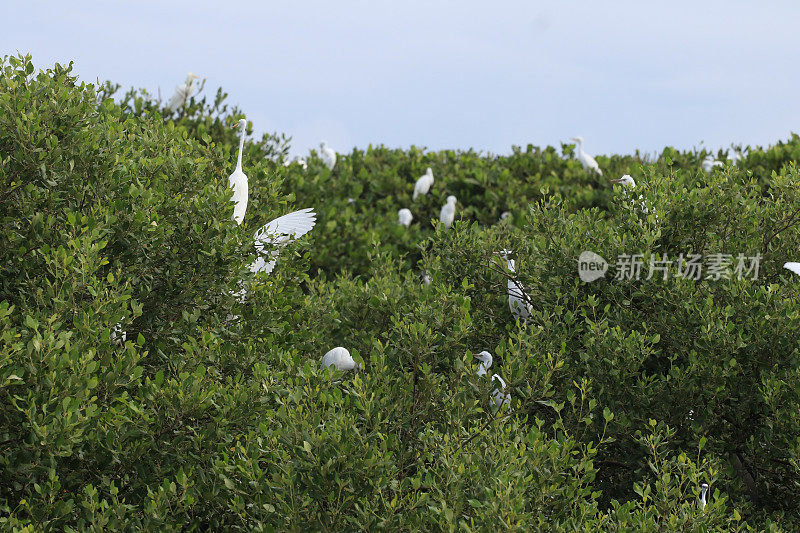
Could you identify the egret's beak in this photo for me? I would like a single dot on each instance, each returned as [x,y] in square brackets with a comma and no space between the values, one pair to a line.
[235,126]
[195,76]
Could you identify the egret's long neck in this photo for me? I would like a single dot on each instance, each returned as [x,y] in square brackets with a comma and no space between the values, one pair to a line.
[510,265]
[241,146]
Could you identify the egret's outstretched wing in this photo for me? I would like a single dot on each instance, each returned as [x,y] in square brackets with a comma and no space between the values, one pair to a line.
[794,267]
[281,231]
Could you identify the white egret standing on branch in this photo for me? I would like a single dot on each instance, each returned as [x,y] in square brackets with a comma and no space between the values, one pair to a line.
[404,217]
[423,184]
[703,490]
[585,159]
[518,300]
[280,232]
[448,212]
[485,359]
[499,395]
[340,358]
[328,155]
[794,267]
[182,93]
[238,180]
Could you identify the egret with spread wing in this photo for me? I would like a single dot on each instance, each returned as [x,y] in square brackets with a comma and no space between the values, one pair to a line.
[278,233]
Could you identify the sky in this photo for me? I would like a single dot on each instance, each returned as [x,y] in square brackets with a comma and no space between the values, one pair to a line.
[467,74]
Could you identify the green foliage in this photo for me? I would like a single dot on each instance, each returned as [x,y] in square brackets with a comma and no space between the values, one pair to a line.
[214,413]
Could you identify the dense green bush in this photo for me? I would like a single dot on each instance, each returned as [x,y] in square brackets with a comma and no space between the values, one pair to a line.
[214,413]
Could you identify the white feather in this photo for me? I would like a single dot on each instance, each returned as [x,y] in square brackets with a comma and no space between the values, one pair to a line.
[794,267]
[280,232]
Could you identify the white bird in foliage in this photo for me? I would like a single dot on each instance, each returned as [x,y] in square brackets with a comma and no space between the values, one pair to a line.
[629,184]
[709,163]
[485,364]
[340,358]
[238,180]
[423,184]
[585,159]
[518,300]
[504,215]
[298,160]
[118,335]
[328,155]
[499,395]
[278,233]
[426,279]
[404,217]
[182,93]
[448,212]
[703,490]
[734,156]
[794,267]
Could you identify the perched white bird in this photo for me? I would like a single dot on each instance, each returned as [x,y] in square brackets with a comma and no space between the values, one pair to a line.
[504,215]
[794,267]
[734,156]
[499,395]
[709,163]
[586,160]
[280,232]
[118,335]
[628,183]
[423,184]
[340,358]
[448,212]
[238,180]
[485,359]
[703,490]
[298,160]
[182,93]
[328,155]
[518,300]
[426,279]
[405,217]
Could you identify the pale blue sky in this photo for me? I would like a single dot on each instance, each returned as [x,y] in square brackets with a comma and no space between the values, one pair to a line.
[624,75]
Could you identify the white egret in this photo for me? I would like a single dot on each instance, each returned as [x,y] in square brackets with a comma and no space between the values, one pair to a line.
[734,157]
[504,215]
[118,335]
[298,160]
[794,267]
[423,184]
[404,217]
[629,184]
[182,93]
[709,163]
[328,155]
[340,358]
[485,359]
[588,162]
[499,395]
[426,279]
[238,180]
[703,491]
[518,300]
[280,232]
[448,212]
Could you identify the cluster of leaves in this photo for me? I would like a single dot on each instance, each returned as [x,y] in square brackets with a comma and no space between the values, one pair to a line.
[211,412]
